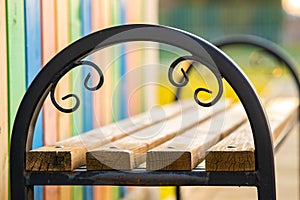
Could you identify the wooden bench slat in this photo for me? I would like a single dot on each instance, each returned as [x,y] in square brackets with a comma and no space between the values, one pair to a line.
[186,151]
[236,152]
[282,113]
[69,154]
[129,152]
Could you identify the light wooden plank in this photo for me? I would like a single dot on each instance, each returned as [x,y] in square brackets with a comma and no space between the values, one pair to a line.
[282,113]
[129,152]
[4,134]
[187,150]
[69,154]
[236,152]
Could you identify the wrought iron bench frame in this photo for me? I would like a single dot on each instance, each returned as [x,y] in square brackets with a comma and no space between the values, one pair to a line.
[221,65]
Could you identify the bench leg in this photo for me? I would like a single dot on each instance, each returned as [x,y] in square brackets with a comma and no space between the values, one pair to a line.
[178,194]
[27,193]
[266,192]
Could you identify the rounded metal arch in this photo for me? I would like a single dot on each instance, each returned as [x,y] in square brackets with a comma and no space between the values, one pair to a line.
[32,102]
[266,45]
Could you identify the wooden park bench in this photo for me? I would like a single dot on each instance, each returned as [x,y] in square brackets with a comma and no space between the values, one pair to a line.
[235,139]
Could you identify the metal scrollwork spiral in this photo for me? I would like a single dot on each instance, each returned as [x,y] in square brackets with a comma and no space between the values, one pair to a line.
[185,79]
[86,81]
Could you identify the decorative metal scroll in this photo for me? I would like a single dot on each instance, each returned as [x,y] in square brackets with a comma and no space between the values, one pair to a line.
[185,80]
[77,100]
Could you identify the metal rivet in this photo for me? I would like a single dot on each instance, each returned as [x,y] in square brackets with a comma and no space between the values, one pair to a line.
[171,147]
[113,147]
[59,146]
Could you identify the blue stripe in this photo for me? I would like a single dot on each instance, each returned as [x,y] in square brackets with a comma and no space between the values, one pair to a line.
[123,97]
[123,102]
[33,65]
[87,95]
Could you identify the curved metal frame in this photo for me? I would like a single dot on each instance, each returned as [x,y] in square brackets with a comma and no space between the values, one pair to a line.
[22,182]
[272,49]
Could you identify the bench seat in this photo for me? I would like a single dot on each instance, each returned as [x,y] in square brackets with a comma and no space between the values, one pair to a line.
[180,139]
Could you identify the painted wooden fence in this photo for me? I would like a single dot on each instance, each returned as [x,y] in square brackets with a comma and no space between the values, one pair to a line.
[31,33]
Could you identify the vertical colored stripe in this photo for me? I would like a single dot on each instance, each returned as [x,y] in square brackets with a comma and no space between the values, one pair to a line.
[122,73]
[76,82]
[134,60]
[101,99]
[33,66]
[98,191]
[64,120]
[118,94]
[16,56]
[87,95]
[48,51]
[49,111]
[3,105]
[151,58]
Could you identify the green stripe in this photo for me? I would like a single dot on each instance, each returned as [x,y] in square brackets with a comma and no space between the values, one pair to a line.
[76,80]
[15,56]
[15,59]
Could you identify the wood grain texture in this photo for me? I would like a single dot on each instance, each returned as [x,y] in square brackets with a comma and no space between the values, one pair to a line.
[69,154]
[236,152]
[186,151]
[129,152]
[282,113]
[4,134]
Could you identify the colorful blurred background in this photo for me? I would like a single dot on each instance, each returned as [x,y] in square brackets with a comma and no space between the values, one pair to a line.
[33,31]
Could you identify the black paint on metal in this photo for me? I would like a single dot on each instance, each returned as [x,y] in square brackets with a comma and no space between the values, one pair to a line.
[22,181]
